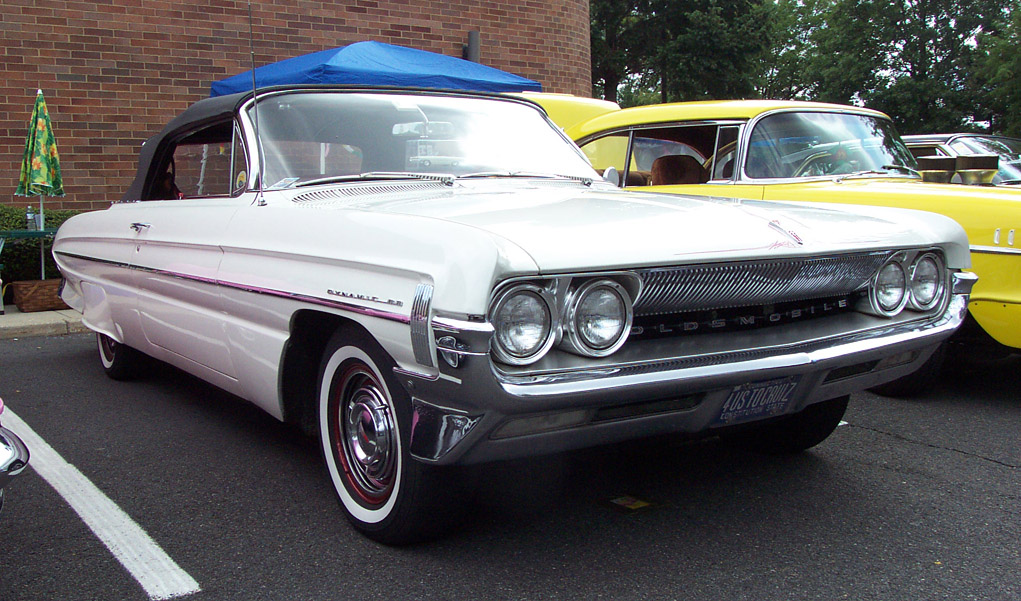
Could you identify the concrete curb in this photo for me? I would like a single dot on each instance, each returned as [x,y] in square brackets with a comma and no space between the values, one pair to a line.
[15,324]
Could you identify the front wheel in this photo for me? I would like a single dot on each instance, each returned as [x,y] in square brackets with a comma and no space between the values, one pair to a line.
[793,433]
[364,423]
[120,361]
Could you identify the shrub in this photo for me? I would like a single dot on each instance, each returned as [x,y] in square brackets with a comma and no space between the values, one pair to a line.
[20,257]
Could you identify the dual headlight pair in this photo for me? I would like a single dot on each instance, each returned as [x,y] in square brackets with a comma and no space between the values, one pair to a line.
[594,320]
[918,285]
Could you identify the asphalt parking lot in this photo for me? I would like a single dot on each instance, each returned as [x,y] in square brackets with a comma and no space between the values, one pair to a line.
[910,499]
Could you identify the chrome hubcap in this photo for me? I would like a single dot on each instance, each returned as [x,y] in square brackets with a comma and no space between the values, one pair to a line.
[108,346]
[368,435]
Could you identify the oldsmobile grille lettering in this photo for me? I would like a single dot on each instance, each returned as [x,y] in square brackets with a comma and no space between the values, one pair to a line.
[747,320]
[365,297]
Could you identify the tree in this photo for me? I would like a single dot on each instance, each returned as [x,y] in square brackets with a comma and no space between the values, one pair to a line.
[932,65]
[999,74]
[709,49]
[851,42]
[685,49]
[789,49]
[929,87]
[618,43]
[912,59]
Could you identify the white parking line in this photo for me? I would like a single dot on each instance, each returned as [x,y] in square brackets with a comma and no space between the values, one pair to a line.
[148,563]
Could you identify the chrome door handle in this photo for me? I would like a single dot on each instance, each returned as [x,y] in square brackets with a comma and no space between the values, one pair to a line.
[138,226]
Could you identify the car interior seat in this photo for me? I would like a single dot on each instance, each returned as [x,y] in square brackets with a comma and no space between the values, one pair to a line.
[677,169]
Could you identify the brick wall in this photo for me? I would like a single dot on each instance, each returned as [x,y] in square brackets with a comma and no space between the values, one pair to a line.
[115,72]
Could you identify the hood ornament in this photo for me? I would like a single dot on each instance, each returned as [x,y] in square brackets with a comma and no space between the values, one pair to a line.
[775,224]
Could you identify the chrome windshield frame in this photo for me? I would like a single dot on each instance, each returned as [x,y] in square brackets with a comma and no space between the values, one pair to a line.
[744,144]
[575,163]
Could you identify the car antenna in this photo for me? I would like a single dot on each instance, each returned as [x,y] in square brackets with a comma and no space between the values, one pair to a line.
[260,200]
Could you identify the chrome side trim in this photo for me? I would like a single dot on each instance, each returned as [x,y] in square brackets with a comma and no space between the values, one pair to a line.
[93,259]
[414,374]
[453,325]
[419,322]
[315,300]
[995,250]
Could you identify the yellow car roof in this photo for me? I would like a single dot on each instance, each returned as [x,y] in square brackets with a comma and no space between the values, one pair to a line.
[567,110]
[696,111]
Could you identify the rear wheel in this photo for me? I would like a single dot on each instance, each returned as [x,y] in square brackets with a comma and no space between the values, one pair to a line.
[120,361]
[793,433]
[364,426]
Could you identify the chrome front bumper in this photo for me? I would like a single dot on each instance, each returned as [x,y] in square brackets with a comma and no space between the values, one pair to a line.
[476,413]
[13,458]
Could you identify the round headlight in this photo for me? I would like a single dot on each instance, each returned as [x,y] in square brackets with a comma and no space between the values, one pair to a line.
[598,318]
[523,324]
[890,290]
[926,282]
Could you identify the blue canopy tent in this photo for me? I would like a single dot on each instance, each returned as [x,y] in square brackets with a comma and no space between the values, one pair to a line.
[375,63]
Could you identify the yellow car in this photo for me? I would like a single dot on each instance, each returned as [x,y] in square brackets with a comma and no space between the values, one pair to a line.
[1007,150]
[805,151]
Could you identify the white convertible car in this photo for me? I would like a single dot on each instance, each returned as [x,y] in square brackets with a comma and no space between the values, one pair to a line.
[425,279]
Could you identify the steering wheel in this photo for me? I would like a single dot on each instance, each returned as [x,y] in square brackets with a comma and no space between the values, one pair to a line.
[819,163]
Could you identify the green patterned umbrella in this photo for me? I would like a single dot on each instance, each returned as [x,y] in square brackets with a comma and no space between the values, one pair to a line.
[40,167]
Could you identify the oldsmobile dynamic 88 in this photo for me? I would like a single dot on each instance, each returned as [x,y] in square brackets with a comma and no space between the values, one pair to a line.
[423,279]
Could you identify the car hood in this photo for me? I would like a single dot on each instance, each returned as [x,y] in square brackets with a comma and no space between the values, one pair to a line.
[567,226]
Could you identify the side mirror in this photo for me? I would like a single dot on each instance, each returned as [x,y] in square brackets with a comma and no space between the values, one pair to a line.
[610,174]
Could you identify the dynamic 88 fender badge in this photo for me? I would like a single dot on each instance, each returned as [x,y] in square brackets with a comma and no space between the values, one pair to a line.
[365,297]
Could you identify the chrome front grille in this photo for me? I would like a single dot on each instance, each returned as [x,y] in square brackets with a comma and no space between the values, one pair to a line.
[753,283]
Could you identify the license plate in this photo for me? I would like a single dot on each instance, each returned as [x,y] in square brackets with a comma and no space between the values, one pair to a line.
[757,401]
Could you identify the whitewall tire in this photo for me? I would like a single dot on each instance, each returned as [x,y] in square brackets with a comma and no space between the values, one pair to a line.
[364,420]
[120,361]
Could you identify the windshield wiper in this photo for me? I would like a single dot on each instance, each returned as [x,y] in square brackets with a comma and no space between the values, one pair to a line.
[904,168]
[445,178]
[481,174]
[883,171]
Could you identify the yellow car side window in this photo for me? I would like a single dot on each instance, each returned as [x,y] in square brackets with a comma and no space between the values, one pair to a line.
[608,151]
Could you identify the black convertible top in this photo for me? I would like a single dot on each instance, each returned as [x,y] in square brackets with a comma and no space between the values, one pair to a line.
[195,116]
[220,108]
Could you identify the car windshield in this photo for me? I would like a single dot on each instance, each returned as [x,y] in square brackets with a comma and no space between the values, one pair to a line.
[811,144]
[324,135]
[1008,149]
